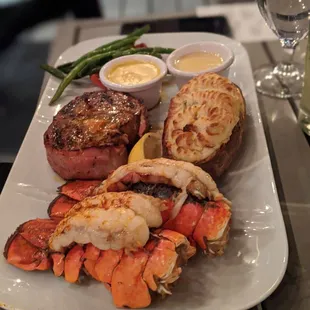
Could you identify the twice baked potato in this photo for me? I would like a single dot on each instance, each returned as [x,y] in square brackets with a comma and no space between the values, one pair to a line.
[205,123]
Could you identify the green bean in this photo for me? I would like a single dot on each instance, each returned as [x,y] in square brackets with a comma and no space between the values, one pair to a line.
[140,31]
[85,66]
[114,46]
[108,45]
[136,33]
[74,73]
[87,69]
[56,72]
[89,66]
[66,68]
[94,70]
[148,50]
[103,60]
[53,71]
[156,52]
[152,54]
[162,50]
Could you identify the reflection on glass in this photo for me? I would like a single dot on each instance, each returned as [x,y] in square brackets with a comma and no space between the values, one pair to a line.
[289,20]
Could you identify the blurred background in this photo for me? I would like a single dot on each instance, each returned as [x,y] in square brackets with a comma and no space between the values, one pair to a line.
[27,29]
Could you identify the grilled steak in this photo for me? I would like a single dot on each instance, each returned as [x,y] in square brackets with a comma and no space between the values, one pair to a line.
[88,137]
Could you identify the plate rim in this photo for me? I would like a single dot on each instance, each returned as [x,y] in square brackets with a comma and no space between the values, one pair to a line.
[60,59]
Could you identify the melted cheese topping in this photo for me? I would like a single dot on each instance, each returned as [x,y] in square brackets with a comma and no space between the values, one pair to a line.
[133,73]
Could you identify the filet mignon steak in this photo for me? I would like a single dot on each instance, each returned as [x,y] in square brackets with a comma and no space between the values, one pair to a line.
[88,137]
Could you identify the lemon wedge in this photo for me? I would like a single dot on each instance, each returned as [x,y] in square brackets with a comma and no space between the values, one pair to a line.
[148,147]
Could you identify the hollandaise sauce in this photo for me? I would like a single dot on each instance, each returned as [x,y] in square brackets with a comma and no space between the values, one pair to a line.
[133,73]
[198,61]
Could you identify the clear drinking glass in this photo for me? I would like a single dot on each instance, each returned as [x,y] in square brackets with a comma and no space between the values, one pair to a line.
[289,20]
[304,108]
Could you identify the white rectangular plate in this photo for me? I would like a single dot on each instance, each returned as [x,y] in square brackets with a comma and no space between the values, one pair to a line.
[255,260]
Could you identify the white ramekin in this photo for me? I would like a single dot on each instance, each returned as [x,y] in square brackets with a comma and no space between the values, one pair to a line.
[183,77]
[148,92]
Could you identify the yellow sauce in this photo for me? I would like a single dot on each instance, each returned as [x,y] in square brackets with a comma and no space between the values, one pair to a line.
[133,73]
[198,61]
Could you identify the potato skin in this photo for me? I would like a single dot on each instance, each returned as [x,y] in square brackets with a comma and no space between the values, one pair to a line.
[220,160]
[226,154]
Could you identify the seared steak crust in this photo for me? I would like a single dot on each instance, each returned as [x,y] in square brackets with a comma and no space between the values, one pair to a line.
[96,119]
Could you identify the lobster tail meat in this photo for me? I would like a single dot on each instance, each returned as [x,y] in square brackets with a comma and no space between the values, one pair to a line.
[146,206]
[109,221]
[106,229]
[134,240]
[182,175]
[130,276]
[191,203]
[194,205]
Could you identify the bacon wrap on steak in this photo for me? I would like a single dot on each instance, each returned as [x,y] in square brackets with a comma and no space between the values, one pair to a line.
[88,137]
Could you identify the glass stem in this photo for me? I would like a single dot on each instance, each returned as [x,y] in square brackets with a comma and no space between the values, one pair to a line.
[288,55]
[286,66]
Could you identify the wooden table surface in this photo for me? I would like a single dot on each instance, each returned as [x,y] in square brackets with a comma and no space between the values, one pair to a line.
[288,148]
